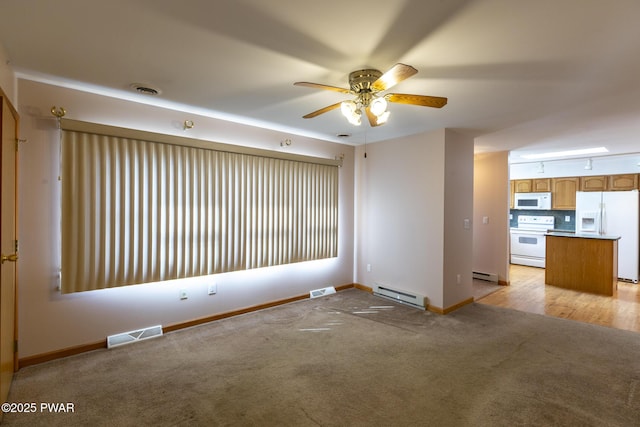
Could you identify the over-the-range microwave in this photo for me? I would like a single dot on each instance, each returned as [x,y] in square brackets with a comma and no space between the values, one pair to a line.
[532,201]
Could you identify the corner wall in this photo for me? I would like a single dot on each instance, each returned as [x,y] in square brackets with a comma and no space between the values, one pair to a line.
[491,202]
[412,194]
[458,214]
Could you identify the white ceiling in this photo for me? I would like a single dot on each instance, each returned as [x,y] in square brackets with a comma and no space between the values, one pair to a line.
[519,75]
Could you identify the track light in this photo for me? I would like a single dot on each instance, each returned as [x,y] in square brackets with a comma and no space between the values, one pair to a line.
[589,165]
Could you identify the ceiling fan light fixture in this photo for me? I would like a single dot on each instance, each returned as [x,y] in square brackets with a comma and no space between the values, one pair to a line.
[351,111]
[348,108]
[382,118]
[355,118]
[379,107]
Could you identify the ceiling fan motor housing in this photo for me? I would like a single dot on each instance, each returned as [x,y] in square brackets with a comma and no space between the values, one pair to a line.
[361,80]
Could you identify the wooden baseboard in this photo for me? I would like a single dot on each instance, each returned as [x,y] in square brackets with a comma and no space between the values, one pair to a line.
[363,288]
[448,310]
[59,354]
[72,351]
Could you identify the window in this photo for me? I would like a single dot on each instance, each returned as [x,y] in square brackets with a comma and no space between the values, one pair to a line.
[139,207]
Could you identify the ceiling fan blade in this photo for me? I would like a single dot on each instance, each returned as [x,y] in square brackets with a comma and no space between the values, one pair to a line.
[373,120]
[395,75]
[321,86]
[422,100]
[322,110]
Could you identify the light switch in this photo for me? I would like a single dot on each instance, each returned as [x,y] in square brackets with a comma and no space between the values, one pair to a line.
[467,224]
[485,220]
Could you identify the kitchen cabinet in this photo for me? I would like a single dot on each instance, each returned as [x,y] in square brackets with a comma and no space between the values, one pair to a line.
[522,185]
[623,182]
[541,185]
[564,192]
[594,183]
[512,191]
[582,263]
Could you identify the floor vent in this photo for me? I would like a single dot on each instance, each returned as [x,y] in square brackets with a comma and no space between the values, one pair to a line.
[133,336]
[489,277]
[322,292]
[404,297]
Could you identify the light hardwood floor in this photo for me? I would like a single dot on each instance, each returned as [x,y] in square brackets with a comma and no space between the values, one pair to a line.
[527,292]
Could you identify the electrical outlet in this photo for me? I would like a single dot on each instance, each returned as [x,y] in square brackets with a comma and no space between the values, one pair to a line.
[183,294]
[213,289]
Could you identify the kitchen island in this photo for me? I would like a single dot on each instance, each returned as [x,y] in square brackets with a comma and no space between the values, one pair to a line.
[582,262]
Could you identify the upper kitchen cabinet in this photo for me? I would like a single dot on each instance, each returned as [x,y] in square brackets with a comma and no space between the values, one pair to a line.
[623,182]
[542,185]
[593,183]
[522,185]
[564,192]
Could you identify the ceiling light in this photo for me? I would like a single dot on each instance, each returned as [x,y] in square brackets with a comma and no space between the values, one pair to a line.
[568,153]
[378,106]
[382,118]
[352,112]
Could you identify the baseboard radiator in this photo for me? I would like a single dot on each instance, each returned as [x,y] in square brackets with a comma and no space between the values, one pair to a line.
[489,277]
[133,336]
[404,297]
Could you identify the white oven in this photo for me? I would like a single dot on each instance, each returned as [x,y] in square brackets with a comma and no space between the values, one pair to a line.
[528,241]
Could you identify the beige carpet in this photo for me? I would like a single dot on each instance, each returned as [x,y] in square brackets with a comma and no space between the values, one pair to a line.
[350,359]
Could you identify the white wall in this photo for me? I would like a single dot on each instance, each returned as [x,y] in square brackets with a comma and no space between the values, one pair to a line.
[401,214]
[458,209]
[49,321]
[491,200]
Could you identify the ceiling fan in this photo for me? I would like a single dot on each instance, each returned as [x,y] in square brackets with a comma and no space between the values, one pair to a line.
[367,86]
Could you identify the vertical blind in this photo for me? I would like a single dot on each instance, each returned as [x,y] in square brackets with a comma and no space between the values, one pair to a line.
[137,211]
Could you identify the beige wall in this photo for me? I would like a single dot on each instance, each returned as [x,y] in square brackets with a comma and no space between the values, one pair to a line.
[49,321]
[458,207]
[410,207]
[7,77]
[491,201]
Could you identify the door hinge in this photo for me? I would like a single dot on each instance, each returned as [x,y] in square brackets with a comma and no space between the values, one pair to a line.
[16,247]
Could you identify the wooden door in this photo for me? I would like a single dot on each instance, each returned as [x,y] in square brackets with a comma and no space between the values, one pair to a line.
[8,245]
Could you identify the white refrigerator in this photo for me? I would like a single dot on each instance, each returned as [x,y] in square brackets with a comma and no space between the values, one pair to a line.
[613,213]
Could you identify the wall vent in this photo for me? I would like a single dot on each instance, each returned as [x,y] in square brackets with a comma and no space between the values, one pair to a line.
[404,297]
[322,292]
[133,336]
[489,277]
